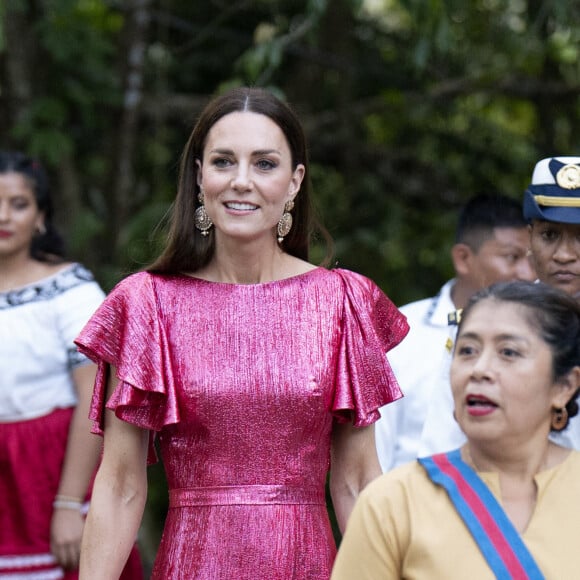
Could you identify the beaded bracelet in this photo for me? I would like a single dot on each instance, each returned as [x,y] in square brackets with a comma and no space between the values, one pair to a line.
[67,503]
[60,497]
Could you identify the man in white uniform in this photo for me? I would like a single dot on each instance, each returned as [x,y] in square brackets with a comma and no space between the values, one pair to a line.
[552,208]
[491,246]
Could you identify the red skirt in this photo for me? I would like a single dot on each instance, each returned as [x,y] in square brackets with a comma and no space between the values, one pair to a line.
[31,460]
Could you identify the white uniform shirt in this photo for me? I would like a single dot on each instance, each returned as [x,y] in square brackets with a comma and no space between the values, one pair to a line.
[421,364]
[38,324]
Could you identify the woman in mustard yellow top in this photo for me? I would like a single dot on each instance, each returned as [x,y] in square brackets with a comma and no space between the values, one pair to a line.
[507,504]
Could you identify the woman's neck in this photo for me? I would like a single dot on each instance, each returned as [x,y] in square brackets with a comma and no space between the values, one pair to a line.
[460,293]
[248,264]
[20,270]
[523,461]
[516,468]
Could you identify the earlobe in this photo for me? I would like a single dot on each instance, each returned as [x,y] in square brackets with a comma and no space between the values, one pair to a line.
[568,387]
[297,178]
[40,225]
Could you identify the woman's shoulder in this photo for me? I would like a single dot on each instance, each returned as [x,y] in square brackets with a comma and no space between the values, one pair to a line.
[360,290]
[397,488]
[143,289]
[137,279]
[297,266]
[143,280]
[74,271]
[36,273]
[76,282]
[63,275]
[331,279]
[404,477]
[137,284]
[354,281]
[573,460]
[562,472]
[56,283]
[558,456]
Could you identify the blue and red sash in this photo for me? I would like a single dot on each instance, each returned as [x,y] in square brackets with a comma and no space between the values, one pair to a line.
[498,540]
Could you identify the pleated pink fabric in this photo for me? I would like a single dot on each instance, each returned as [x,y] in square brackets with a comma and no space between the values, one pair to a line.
[242,384]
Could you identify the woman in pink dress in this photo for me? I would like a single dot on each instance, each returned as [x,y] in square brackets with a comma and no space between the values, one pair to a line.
[257,371]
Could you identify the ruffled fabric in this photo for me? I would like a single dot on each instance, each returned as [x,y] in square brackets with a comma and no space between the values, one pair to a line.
[371,326]
[126,332]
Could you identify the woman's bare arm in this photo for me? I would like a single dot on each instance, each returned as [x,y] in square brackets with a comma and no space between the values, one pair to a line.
[354,463]
[82,454]
[118,500]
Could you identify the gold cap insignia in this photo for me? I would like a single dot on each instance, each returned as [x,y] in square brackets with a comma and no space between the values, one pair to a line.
[568,177]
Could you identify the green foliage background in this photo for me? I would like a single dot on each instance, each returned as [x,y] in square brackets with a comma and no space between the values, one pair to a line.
[410,106]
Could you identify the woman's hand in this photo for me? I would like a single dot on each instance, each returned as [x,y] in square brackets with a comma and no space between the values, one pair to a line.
[66,531]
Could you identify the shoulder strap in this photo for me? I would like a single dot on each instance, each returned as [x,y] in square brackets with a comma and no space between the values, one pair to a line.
[498,540]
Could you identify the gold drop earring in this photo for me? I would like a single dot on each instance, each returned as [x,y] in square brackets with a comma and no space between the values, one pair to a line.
[201,220]
[285,223]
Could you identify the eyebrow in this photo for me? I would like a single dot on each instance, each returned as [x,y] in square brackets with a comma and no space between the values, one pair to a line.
[505,336]
[257,152]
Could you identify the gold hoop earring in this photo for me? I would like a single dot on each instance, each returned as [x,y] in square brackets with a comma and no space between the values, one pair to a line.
[559,419]
[285,224]
[201,220]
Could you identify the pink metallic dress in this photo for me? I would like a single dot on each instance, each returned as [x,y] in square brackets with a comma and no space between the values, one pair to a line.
[241,384]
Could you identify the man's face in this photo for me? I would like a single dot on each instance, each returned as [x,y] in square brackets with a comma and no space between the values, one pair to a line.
[502,258]
[556,254]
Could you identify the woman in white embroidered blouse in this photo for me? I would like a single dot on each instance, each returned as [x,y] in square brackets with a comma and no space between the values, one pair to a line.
[47,454]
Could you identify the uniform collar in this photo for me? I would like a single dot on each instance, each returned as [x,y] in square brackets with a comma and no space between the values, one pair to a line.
[441,305]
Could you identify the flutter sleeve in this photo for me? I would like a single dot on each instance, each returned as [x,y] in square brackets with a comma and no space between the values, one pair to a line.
[127,332]
[371,326]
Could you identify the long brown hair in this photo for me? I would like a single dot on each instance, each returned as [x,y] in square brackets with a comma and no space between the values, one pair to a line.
[186,249]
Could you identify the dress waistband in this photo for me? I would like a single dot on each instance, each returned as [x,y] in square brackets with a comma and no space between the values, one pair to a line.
[245,495]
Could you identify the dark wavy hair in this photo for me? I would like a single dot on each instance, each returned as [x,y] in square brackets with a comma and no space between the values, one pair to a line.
[485,212]
[552,312]
[46,246]
[186,249]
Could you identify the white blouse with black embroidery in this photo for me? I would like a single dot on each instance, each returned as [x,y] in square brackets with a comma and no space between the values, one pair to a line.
[38,324]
